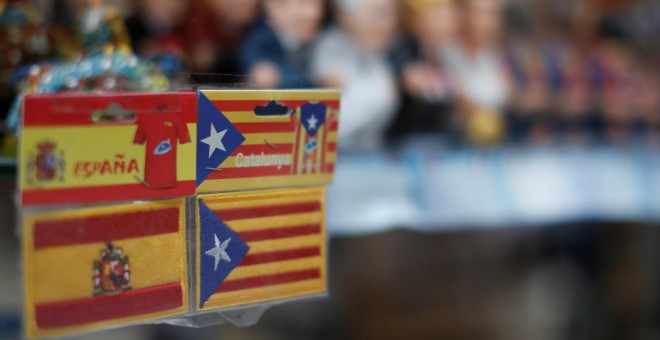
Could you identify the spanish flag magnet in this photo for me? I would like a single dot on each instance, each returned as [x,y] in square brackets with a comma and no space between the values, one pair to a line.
[94,268]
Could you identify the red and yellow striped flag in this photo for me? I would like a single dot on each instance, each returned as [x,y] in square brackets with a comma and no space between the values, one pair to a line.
[285,233]
[100,267]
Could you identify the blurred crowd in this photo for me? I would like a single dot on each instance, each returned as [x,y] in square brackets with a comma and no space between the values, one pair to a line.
[466,71]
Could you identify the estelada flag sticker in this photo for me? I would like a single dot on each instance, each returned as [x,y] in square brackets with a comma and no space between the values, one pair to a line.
[260,246]
[111,147]
[94,268]
[265,139]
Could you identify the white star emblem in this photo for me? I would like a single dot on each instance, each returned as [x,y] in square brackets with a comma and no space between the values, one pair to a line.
[311,122]
[214,140]
[219,251]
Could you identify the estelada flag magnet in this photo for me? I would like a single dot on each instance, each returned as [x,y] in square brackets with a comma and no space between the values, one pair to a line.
[94,268]
[82,148]
[251,139]
[260,246]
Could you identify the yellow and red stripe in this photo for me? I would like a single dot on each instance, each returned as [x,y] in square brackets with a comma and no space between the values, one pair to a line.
[60,250]
[285,231]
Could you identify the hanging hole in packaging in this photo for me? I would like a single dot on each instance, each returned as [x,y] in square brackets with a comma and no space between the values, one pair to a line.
[272,109]
[115,113]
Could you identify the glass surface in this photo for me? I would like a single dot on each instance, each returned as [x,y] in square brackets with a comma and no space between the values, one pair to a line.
[498,160]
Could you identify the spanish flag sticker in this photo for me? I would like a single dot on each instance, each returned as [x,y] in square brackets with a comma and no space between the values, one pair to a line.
[94,268]
[260,246]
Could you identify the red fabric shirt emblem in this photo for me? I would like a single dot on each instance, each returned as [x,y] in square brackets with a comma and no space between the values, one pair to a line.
[160,132]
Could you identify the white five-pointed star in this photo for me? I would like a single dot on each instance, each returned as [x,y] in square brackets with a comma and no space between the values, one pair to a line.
[219,251]
[214,140]
[311,122]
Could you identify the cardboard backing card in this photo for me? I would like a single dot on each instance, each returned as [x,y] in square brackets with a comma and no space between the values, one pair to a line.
[84,148]
[251,139]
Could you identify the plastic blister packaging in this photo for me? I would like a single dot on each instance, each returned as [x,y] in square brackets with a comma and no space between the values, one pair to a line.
[270,139]
[278,246]
[93,257]
[200,241]
[94,267]
[102,266]
[257,247]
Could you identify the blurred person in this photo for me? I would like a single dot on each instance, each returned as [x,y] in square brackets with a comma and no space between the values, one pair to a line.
[427,100]
[581,76]
[156,32]
[353,57]
[530,117]
[646,102]
[277,52]
[618,92]
[579,118]
[533,60]
[214,30]
[477,70]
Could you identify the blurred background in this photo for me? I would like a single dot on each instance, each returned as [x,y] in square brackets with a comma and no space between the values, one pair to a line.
[498,175]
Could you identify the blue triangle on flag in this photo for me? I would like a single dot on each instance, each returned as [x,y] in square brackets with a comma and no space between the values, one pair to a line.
[220,251]
[217,138]
[312,116]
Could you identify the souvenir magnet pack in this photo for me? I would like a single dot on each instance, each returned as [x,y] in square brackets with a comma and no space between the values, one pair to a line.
[112,147]
[100,266]
[260,246]
[265,139]
[92,268]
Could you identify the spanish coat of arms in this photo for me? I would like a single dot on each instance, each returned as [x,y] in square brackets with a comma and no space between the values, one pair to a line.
[48,165]
[112,273]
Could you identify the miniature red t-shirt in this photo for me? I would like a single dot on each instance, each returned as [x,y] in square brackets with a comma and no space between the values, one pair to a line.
[160,131]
